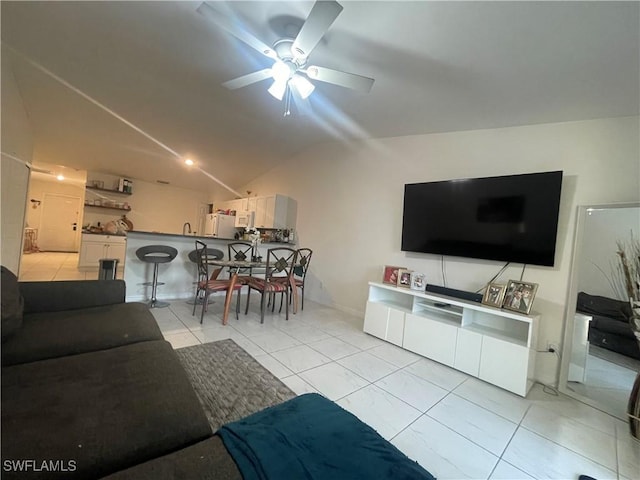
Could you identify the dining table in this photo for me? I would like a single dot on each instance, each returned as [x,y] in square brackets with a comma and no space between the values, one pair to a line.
[235,266]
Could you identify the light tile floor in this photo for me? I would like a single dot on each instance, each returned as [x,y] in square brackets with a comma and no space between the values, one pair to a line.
[454,425]
[55,266]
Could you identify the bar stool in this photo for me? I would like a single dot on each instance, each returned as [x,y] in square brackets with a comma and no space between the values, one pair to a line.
[156,254]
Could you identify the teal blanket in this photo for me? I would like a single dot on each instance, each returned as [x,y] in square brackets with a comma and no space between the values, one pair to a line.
[310,437]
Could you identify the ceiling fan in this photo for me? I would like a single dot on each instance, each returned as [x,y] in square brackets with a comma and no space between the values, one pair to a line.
[290,71]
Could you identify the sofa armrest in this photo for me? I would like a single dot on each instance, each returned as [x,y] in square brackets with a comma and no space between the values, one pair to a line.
[70,295]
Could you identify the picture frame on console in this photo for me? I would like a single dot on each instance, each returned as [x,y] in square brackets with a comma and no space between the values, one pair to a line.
[390,274]
[519,296]
[404,278]
[494,294]
[418,281]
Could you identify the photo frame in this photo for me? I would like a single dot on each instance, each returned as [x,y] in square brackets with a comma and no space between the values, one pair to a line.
[494,294]
[519,296]
[390,274]
[404,278]
[418,281]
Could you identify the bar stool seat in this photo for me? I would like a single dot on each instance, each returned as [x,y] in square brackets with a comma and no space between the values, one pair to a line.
[156,254]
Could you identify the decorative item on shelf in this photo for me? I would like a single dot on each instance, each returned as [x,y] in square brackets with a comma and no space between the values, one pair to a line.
[626,281]
[97,184]
[390,274]
[418,281]
[404,278]
[127,222]
[494,294]
[519,296]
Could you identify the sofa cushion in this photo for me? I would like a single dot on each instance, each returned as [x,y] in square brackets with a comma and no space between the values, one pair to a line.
[609,325]
[607,307]
[106,411]
[58,334]
[207,460]
[12,304]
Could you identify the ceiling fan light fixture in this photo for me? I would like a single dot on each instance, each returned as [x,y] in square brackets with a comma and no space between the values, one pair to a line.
[304,86]
[277,88]
[280,72]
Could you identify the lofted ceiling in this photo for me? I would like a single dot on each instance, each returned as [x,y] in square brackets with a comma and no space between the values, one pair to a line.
[438,66]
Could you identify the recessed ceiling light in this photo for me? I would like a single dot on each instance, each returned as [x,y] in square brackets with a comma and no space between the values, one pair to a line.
[60,177]
[188,162]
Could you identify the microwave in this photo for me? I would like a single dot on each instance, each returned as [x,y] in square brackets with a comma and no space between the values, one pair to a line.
[244,219]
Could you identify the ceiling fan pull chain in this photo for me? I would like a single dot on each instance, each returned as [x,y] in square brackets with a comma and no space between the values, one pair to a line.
[287,102]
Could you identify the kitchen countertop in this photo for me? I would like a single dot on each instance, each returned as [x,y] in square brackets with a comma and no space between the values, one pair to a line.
[85,232]
[179,235]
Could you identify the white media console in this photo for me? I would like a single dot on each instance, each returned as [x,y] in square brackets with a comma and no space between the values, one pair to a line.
[494,345]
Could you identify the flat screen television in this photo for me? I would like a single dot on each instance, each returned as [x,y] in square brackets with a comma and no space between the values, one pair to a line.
[511,218]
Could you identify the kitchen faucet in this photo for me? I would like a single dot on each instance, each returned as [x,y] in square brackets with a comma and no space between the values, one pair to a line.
[186,226]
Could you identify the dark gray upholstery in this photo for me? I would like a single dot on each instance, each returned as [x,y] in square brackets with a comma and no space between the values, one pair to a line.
[207,460]
[107,410]
[70,295]
[12,304]
[56,334]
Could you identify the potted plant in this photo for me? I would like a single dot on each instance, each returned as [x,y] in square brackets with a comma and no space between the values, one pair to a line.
[627,281]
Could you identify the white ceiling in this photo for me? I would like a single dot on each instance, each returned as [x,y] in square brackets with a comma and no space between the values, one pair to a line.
[439,66]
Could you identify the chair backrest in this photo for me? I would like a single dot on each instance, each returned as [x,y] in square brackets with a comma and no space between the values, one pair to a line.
[211,253]
[202,261]
[280,263]
[242,251]
[302,263]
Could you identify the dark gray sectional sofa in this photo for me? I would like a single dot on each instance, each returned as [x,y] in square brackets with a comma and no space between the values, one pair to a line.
[90,388]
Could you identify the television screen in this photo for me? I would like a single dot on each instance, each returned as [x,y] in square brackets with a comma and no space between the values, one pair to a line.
[512,218]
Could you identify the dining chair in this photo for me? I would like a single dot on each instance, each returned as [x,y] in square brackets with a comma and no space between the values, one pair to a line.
[212,253]
[278,272]
[208,283]
[300,271]
[242,251]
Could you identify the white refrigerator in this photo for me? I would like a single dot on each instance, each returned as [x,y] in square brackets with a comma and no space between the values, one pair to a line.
[220,225]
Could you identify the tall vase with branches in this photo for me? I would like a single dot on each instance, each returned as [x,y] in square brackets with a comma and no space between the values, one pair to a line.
[626,280]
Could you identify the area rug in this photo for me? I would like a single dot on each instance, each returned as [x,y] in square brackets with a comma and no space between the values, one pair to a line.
[229,382]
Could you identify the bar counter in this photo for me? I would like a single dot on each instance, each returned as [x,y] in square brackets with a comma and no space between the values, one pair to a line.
[179,276]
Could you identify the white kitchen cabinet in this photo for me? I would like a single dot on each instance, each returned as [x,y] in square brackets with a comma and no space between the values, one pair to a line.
[495,345]
[93,248]
[273,211]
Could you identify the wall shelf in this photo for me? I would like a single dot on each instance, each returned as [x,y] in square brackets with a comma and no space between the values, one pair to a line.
[107,190]
[110,208]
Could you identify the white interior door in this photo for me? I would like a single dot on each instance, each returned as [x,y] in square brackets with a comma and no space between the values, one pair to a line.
[59,224]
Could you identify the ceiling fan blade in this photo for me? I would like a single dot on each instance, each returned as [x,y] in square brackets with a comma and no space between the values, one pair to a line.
[302,104]
[318,22]
[236,30]
[248,79]
[344,79]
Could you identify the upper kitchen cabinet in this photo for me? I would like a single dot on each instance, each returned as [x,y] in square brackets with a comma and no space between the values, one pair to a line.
[273,211]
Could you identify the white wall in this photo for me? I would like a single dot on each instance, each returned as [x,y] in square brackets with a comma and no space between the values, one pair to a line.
[17,141]
[350,204]
[154,207]
[603,228]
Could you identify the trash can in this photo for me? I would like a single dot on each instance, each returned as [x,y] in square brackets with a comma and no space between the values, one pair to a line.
[108,268]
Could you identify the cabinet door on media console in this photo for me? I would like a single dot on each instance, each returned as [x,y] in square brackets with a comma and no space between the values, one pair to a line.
[468,349]
[505,364]
[430,338]
[384,322]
